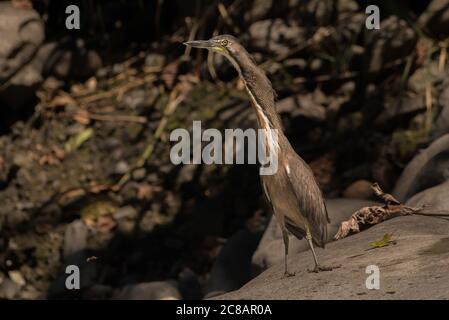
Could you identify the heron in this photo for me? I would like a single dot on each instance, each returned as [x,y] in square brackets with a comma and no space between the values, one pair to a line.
[292,191]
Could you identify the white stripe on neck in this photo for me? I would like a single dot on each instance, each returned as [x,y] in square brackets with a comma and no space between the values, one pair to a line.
[266,124]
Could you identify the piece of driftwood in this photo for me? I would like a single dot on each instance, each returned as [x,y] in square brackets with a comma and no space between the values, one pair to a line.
[368,216]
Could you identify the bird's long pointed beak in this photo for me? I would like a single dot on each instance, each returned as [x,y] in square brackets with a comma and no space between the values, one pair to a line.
[204,44]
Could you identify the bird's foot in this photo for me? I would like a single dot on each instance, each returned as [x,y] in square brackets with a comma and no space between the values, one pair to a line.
[288,274]
[319,268]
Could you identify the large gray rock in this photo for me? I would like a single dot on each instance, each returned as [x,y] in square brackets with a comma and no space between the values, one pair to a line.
[22,32]
[226,275]
[75,253]
[416,267]
[436,197]
[271,248]
[75,238]
[436,17]
[427,169]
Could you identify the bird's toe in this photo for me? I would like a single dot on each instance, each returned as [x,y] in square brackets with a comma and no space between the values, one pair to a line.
[288,274]
[319,268]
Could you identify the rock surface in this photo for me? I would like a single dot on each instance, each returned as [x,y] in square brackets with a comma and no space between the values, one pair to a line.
[226,275]
[271,247]
[429,168]
[416,267]
[437,197]
[22,32]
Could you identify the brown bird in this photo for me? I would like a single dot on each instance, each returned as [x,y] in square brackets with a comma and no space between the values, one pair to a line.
[292,191]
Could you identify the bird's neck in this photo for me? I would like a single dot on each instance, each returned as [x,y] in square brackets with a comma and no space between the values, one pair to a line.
[262,98]
[261,93]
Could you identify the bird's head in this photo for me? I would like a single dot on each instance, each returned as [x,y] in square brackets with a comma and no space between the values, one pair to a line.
[226,45]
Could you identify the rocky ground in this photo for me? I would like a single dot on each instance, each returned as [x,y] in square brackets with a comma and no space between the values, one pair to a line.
[85,175]
[414,267]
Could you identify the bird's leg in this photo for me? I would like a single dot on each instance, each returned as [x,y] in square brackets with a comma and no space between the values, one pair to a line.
[286,240]
[317,268]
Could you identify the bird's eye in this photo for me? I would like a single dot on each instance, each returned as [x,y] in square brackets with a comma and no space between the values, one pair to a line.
[224,42]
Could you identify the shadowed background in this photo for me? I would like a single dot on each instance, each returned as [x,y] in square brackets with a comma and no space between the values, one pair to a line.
[85,118]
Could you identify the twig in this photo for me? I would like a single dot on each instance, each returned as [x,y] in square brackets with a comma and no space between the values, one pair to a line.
[119,90]
[443,56]
[117,118]
[368,216]
[227,19]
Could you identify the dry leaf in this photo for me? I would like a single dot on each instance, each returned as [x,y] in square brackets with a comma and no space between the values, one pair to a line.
[105,224]
[77,140]
[69,195]
[97,188]
[91,84]
[385,241]
[58,152]
[144,191]
[48,159]
[17,277]
[169,74]
[62,100]
[82,116]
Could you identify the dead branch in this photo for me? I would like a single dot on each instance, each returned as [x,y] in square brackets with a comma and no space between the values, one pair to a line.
[117,118]
[368,216]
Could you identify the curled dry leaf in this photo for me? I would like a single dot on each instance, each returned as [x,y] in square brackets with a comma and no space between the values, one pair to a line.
[48,159]
[62,100]
[146,191]
[97,188]
[105,224]
[91,84]
[169,74]
[58,152]
[368,216]
[82,116]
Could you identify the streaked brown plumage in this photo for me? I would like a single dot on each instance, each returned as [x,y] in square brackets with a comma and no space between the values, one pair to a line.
[292,191]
